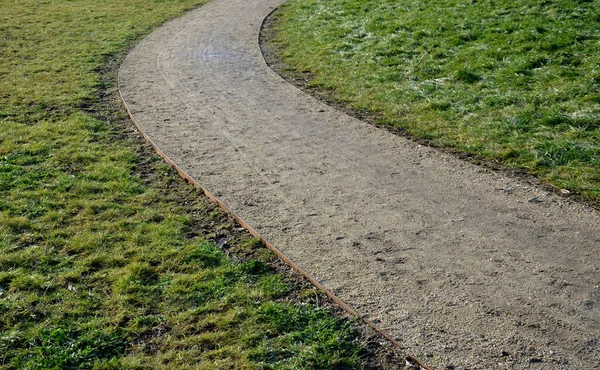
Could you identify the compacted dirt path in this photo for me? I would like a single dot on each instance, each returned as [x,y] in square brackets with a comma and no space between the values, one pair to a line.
[451,259]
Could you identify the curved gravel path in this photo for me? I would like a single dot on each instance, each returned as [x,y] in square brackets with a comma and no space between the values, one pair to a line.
[449,258]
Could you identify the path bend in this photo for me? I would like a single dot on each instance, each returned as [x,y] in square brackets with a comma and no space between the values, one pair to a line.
[433,249]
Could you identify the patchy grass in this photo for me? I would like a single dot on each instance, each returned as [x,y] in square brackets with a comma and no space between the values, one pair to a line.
[107,258]
[514,81]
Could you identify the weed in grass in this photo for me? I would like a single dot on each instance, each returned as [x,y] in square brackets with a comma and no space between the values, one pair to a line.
[512,81]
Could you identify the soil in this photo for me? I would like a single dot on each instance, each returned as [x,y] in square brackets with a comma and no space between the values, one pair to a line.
[465,266]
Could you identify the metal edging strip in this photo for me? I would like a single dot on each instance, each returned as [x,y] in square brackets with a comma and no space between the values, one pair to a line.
[254,233]
[411,360]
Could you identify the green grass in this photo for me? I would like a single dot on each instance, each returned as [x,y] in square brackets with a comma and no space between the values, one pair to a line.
[107,258]
[514,81]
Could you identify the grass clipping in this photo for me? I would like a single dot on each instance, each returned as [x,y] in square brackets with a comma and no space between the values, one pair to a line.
[512,81]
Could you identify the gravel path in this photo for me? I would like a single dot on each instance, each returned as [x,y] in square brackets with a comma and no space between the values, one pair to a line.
[451,259]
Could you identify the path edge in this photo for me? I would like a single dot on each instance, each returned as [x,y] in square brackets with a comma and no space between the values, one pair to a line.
[411,361]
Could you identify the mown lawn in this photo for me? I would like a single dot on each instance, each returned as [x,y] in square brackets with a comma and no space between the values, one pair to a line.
[513,81]
[107,258]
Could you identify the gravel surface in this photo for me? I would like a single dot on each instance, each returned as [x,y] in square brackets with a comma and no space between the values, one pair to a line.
[466,267]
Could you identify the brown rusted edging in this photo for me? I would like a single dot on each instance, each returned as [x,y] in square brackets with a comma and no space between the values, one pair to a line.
[410,360]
